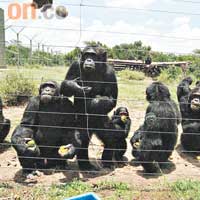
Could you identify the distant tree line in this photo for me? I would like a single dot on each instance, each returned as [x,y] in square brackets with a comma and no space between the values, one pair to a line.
[20,55]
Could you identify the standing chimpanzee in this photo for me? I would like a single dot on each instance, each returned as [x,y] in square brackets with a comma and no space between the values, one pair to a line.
[121,122]
[45,136]
[189,102]
[4,124]
[159,131]
[94,86]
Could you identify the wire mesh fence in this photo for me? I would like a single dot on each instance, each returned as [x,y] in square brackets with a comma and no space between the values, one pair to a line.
[51,57]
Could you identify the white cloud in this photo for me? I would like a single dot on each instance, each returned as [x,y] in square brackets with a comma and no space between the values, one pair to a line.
[181,20]
[129,3]
[54,36]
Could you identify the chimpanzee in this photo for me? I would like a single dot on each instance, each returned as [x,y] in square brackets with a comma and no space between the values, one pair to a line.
[122,123]
[189,102]
[4,124]
[158,134]
[94,86]
[44,4]
[46,134]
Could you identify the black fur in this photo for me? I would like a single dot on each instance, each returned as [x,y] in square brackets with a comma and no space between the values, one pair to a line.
[46,120]
[190,138]
[159,132]
[95,92]
[4,124]
[122,131]
[41,3]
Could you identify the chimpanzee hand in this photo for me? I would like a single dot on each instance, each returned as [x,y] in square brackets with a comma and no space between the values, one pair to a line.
[71,87]
[67,151]
[85,89]
[101,104]
[31,147]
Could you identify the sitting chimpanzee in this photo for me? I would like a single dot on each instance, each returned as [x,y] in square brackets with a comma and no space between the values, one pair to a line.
[94,86]
[158,134]
[189,102]
[4,124]
[45,137]
[121,122]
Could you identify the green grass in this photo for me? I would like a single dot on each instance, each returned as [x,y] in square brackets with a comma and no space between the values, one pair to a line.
[186,189]
[129,88]
[131,75]
[107,190]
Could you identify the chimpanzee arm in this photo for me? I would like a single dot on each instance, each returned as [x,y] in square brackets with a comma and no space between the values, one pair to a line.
[5,129]
[183,88]
[27,127]
[137,136]
[30,114]
[18,140]
[105,102]
[127,127]
[191,127]
[71,85]
[124,129]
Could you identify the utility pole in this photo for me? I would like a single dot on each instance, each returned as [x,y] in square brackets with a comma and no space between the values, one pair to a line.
[2,40]
[18,47]
[31,46]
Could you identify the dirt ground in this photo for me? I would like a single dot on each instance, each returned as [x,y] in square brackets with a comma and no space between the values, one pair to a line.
[183,166]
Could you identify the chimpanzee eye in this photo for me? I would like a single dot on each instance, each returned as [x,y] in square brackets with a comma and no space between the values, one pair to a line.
[49,85]
[123,113]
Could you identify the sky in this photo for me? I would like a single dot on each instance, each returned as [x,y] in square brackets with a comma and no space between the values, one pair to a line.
[165,25]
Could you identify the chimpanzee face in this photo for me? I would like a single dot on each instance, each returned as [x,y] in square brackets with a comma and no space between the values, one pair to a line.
[93,59]
[89,60]
[195,102]
[123,113]
[47,92]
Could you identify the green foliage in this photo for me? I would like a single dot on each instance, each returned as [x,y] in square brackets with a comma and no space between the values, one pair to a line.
[72,56]
[111,185]
[131,75]
[15,88]
[170,74]
[186,189]
[195,69]
[135,51]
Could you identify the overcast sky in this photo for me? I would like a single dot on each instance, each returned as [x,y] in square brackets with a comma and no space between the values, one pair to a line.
[165,25]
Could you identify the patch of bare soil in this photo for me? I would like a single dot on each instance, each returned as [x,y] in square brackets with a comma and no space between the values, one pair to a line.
[183,166]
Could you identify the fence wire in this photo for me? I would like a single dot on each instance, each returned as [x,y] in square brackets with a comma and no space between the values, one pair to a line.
[88,127]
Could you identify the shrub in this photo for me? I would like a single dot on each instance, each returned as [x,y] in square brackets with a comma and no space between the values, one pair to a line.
[131,75]
[170,74]
[15,88]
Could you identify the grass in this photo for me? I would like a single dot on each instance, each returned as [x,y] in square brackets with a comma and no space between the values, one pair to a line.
[131,75]
[186,189]
[129,88]
[106,190]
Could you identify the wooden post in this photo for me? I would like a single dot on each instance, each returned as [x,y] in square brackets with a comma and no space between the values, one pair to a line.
[2,40]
